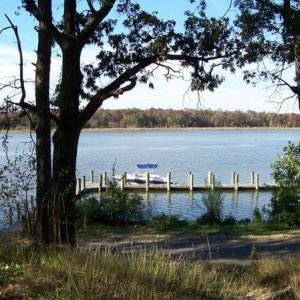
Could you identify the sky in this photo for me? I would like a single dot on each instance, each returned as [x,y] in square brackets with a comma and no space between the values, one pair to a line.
[233,94]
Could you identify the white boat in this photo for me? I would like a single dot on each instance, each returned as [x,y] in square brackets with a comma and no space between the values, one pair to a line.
[140,176]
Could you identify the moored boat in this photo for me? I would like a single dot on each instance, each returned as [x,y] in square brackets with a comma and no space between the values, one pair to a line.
[140,176]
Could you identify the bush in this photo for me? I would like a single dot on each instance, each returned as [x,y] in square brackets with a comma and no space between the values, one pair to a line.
[88,212]
[213,203]
[123,208]
[285,201]
[116,207]
[164,222]
[229,220]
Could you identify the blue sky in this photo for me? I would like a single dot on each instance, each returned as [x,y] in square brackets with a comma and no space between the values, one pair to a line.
[232,95]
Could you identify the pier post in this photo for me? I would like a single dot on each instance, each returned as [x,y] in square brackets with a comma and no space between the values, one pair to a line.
[147,181]
[257,182]
[191,182]
[236,182]
[122,182]
[252,175]
[79,185]
[84,183]
[92,176]
[232,178]
[213,181]
[168,181]
[100,184]
[189,177]
[104,179]
[125,178]
[209,177]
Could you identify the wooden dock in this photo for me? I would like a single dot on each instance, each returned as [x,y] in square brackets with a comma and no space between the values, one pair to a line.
[100,185]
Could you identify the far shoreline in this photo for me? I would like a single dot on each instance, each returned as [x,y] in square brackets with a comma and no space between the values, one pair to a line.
[167,129]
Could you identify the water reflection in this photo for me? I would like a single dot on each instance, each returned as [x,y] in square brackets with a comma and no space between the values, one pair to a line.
[190,205]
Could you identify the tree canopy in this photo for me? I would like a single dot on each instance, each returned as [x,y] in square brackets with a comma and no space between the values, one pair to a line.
[270,31]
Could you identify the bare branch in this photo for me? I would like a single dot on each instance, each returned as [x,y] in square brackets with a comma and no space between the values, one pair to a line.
[21,63]
[228,9]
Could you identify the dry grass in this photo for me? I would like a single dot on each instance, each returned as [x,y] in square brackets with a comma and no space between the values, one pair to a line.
[81,274]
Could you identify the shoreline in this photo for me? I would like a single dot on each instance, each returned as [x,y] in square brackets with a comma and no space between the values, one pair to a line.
[169,129]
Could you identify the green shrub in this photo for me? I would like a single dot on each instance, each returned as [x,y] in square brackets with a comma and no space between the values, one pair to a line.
[115,207]
[257,216]
[165,222]
[123,208]
[88,212]
[213,203]
[229,220]
[285,202]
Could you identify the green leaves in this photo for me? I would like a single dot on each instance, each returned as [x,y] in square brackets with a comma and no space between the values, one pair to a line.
[285,205]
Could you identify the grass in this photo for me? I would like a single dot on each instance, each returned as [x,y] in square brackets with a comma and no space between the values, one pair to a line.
[79,274]
[66,273]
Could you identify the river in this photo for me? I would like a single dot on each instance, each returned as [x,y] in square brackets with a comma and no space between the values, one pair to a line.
[182,151]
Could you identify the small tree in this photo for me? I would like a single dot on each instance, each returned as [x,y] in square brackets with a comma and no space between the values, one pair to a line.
[285,205]
[17,185]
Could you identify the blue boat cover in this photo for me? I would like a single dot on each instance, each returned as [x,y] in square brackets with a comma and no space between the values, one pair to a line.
[147,166]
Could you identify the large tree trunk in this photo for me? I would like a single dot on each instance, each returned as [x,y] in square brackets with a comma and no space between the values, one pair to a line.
[297,66]
[43,232]
[65,142]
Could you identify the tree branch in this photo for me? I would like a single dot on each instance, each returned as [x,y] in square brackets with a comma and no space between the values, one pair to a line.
[90,4]
[97,17]
[31,7]
[98,99]
[21,63]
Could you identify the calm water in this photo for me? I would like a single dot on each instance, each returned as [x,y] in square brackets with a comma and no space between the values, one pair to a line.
[220,151]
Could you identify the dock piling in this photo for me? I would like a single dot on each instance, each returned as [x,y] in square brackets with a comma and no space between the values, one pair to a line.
[213,181]
[91,176]
[84,183]
[191,182]
[79,185]
[168,181]
[104,179]
[232,178]
[123,182]
[100,184]
[252,176]
[257,182]
[147,181]
[236,182]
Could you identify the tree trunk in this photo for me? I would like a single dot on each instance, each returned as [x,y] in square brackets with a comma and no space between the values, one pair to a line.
[297,66]
[65,144]
[43,232]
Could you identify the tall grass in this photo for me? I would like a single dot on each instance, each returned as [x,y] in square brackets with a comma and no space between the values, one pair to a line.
[102,274]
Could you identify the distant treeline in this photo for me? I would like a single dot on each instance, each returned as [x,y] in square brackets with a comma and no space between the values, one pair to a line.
[169,118]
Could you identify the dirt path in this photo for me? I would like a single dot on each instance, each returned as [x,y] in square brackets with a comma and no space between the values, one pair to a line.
[201,248]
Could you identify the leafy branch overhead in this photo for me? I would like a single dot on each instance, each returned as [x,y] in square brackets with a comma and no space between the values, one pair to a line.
[133,43]
[270,31]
